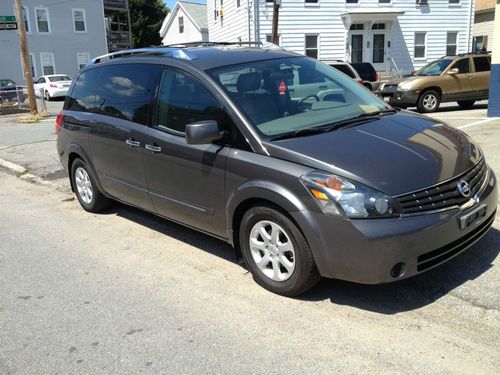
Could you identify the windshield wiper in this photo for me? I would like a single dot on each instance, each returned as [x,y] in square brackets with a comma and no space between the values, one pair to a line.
[336,125]
[299,133]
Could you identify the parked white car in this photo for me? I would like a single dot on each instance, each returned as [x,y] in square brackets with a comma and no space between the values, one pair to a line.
[52,86]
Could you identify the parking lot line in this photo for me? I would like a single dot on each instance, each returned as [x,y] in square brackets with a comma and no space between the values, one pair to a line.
[478,122]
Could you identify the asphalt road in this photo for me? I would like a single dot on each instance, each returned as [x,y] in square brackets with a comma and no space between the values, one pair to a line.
[127,292]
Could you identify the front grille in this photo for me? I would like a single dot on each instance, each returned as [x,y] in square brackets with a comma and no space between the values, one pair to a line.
[446,194]
[437,256]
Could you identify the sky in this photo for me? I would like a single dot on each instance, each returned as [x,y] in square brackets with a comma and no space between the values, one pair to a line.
[171,3]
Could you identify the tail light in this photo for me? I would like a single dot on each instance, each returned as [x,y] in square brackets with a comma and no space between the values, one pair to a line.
[377,76]
[360,81]
[59,122]
[53,85]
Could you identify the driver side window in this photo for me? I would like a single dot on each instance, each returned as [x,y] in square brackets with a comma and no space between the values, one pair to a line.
[181,101]
[463,66]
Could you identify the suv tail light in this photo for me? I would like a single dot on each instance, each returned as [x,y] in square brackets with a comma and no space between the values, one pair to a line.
[59,122]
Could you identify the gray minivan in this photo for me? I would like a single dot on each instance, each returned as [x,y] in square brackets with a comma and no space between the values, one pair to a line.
[303,171]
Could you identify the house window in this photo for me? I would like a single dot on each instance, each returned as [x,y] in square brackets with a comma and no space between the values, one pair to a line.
[79,23]
[357,26]
[42,20]
[238,3]
[269,38]
[451,43]
[378,26]
[312,46]
[314,2]
[82,59]
[181,25]
[384,1]
[26,17]
[419,48]
[480,43]
[32,64]
[351,1]
[454,2]
[47,62]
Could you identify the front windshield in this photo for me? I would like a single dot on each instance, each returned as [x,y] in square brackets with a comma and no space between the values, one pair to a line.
[4,83]
[59,78]
[287,95]
[434,68]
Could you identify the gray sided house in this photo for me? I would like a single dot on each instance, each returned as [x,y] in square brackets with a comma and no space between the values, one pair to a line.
[61,37]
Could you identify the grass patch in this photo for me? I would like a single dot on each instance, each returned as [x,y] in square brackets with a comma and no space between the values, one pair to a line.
[31,118]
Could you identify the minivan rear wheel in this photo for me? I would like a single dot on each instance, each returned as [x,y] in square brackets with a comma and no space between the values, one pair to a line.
[276,252]
[87,193]
[429,101]
[466,104]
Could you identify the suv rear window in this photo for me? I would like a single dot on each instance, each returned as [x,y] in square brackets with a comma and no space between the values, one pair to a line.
[344,69]
[482,64]
[120,90]
[366,71]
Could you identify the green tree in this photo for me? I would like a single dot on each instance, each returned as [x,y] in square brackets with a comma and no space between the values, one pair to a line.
[146,17]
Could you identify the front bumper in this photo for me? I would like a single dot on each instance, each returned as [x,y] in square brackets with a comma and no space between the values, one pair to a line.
[367,251]
[404,98]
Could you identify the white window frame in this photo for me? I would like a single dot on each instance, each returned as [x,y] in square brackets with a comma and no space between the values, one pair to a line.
[35,72]
[53,61]
[318,44]
[456,42]
[415,45]
[78,54]
[48,21]
[84,20]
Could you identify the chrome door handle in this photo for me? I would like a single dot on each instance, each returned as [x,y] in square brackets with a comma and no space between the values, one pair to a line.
[153,148]
[132,143]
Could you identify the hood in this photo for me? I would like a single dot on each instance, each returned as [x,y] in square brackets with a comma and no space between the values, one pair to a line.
[395,154]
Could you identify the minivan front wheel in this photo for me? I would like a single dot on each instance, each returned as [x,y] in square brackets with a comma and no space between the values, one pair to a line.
[87,193]
[429,101]
[276,252]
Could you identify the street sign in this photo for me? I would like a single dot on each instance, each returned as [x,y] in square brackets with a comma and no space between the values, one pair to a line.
[8,25]
[7,19]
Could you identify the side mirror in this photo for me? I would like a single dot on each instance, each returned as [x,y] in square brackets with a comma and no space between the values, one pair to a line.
[202,132]
[453,71]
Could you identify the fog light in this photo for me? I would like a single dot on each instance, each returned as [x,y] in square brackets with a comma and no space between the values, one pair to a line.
[398,270]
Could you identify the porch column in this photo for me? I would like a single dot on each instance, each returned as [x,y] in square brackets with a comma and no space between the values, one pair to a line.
[494,100]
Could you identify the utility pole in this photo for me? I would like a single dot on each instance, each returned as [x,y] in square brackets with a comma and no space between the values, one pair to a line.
[276,14]
[24,54]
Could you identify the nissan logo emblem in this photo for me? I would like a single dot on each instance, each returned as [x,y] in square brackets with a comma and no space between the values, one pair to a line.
[463,188]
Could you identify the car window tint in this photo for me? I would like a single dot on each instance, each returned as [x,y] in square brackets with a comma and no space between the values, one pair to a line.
[41,80]
[344,69]
[482,64]
[182,100]
[6,83]
[126,91]
[82,96]
[463,66]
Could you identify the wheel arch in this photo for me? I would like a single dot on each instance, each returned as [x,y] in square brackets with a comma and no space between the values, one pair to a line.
[74,152]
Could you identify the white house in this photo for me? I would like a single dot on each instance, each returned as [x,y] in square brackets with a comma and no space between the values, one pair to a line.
[187,22]
[394,35]
[483,25]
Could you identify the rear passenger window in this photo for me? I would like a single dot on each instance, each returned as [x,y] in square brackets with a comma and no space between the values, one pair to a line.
[482,64]
[124,91]
[182,101]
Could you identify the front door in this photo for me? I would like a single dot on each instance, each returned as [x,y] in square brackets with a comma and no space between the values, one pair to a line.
[186,182]
[122,105]
[378,51]
[458,86]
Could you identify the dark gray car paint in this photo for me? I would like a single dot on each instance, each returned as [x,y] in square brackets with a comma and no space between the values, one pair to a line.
[211,182]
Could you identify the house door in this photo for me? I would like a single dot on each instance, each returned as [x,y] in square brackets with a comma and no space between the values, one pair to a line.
[356,48]
[378,51]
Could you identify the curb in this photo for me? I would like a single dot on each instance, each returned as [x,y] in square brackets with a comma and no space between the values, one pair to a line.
[22,173]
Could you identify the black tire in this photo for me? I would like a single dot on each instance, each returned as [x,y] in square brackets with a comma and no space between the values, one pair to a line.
[98,201]
[466,104]
[304,275]
[429,101]
[47,96]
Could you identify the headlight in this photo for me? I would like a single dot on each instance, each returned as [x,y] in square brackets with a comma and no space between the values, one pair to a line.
[404,86]
[338,196]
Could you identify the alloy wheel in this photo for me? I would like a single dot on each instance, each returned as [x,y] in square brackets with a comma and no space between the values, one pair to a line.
[83,185]
[272,250]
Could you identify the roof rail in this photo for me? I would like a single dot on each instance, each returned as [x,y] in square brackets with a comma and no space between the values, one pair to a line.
[159,50]
[210,44]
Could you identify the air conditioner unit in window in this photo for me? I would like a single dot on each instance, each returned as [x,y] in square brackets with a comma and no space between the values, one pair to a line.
[422,2]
